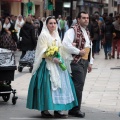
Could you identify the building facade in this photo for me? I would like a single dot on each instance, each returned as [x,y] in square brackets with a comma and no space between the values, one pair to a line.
[61,7]
[16,7]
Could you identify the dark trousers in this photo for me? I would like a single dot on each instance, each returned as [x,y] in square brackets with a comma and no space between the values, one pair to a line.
[79,71]
[107,47]
[23,54]
[62,32]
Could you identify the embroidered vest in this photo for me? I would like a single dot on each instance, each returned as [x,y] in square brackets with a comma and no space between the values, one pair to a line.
[79,40]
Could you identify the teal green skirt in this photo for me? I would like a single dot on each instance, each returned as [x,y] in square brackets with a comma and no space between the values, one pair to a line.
[40,95]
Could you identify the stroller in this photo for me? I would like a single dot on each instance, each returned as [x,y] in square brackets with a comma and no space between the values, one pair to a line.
[27,61]
[7,68]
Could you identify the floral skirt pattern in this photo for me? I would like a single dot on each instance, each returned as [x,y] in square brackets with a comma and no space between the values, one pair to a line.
[40,93]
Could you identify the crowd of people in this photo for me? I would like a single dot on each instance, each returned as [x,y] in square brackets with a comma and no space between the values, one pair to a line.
[77,41]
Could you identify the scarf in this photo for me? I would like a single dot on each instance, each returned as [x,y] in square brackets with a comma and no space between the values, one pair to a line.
[79,40]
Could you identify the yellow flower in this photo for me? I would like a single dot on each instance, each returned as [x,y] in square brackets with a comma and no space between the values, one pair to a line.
[51,52]
[56,49]
[47,54]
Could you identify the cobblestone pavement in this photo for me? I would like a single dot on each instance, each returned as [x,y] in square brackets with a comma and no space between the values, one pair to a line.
[101,96]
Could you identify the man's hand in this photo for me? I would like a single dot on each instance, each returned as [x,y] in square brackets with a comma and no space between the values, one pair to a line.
[82,52]
[74,44]
[89,68]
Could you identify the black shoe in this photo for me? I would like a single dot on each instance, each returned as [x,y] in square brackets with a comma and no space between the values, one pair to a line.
[109,55]
[77,114]
[113,56]
[106,58]
[46,114]
[59,114]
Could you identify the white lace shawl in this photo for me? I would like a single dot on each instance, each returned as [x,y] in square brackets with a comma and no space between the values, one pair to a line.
[67,58]
[44,41]
[18,22]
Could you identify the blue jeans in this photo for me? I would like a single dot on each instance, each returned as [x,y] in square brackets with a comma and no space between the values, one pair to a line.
[97,46]
[107,47]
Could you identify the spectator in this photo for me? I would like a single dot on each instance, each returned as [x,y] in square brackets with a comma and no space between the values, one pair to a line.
[7,40]
[116,40]
[61,25]
[27,34]
[19,23]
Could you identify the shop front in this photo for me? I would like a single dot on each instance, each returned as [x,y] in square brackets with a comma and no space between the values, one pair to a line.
[90,6]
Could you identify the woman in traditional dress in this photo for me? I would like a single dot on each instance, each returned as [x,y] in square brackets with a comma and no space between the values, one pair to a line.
[50,87]
[7,40]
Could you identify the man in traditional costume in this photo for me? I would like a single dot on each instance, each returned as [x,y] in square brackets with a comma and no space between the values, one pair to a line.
[77,43]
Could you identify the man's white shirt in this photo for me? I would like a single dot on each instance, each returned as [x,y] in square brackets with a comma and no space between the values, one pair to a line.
[69,39]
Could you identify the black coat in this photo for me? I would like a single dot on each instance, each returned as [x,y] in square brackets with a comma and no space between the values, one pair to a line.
[27,33]
[107,31]
[41,26]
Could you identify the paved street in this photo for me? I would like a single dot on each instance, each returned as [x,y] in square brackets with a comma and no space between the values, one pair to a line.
[101,97]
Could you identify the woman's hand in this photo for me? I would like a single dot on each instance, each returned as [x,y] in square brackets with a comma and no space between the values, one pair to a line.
[9,32]
[56,60]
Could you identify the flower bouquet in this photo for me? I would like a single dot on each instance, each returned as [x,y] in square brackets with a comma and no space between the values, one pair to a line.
[53,52]
[14,31]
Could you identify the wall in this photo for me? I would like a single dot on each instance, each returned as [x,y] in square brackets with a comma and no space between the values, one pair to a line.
[15,8]
[39,11]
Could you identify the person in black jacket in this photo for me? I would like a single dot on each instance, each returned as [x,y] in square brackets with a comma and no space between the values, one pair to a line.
[41,24]
[107,34]
[95,34]
[27,36]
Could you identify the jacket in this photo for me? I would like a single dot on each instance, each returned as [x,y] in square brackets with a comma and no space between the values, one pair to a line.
[28,41]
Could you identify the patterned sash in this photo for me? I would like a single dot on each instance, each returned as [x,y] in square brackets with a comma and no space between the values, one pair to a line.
[79,40]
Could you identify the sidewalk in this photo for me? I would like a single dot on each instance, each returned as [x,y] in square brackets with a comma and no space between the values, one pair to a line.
[102,87]
[101,96]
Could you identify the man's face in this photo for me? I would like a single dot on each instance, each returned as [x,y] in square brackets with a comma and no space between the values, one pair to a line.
[84,20]
[59,16]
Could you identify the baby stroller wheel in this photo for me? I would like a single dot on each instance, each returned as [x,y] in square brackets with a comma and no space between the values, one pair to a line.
[20,69]
[14,99]
[8,82]
[30,70]
[6,97]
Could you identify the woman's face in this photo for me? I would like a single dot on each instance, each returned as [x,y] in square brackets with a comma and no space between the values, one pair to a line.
[7,20]
[51,25]
[20,18]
